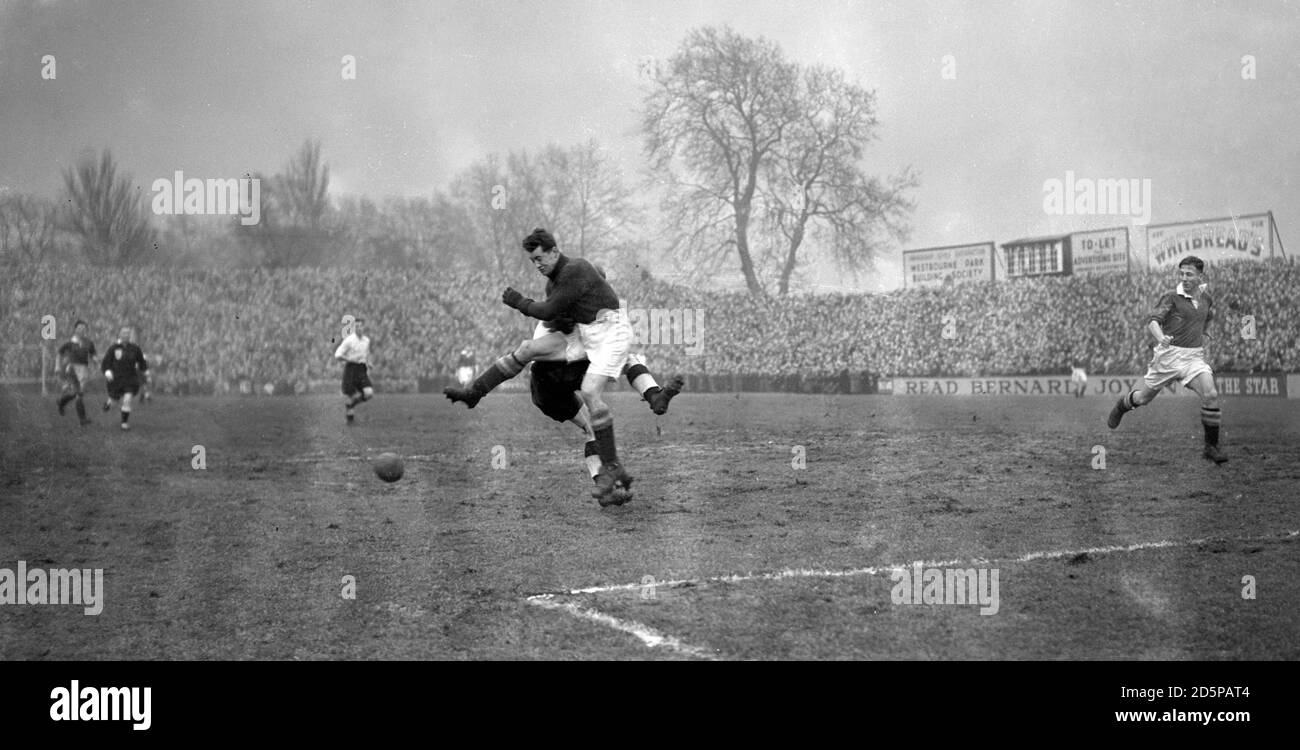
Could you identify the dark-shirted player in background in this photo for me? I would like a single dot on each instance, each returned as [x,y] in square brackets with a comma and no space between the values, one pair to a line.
[1178,325]
[354,352]
[75,358]
[125,370]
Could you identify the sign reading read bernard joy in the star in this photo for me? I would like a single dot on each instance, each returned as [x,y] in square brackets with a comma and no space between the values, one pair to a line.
[1252,237]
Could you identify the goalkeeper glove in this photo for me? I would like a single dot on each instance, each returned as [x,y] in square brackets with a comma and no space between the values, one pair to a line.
[514,299]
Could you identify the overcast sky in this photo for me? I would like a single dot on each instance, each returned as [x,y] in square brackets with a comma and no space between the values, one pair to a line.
[1150,90]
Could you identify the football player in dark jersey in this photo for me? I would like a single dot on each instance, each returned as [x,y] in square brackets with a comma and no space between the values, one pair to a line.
[125,370]
[1178,326]
[74,368]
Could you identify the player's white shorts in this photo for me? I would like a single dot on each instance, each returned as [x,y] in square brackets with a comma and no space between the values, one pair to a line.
[464,375]
[607,341]
[573,349]
[1170,363]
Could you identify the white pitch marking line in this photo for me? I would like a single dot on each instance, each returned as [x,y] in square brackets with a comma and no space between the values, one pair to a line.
[812,573]
[647,635]
[654,639]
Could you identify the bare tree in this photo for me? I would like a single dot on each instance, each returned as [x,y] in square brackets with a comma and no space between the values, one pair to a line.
[744,140]
[815,183]
[577,193]
[711,124]
[297,224]
[600,215]
[28,225]
[396,232]
[491,212]
[302,191]
[109,214]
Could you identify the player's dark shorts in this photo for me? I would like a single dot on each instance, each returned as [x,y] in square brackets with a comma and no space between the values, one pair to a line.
[119,387]
[355,378]
[554,388]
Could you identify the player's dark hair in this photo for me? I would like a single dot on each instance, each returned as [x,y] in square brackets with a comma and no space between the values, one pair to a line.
[539,238]
[80,323]
[1194,262]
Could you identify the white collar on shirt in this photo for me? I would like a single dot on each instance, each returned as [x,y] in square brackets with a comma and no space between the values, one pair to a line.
[1193,297]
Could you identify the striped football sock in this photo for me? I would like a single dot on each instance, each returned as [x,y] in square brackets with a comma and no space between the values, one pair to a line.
[1210,416]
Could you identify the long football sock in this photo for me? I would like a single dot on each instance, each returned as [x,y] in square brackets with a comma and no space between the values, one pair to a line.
[81,409]
[502,370]
[1126,403]
[1210,417]
[64,399]
[591,457]
[605,444]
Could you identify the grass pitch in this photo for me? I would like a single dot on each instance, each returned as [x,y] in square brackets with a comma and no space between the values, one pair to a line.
[730,550]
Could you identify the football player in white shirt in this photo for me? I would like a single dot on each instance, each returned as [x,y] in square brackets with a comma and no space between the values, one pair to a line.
[353,353]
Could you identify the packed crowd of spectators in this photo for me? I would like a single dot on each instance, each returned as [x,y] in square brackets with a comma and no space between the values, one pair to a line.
[206,330]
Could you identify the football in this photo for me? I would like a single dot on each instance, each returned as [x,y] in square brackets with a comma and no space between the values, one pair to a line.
[388,467]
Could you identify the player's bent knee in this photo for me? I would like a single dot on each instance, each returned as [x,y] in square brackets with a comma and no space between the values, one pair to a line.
[599,411]
[548,348]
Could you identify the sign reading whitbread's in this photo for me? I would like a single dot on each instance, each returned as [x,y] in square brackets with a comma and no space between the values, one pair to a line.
[937,266]
[1252,237]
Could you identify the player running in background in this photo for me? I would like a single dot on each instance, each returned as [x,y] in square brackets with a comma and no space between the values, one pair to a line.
[353,352]
[74,368]
[1178,325]
[575,291]
[1079,377]
[125,370]
[465,368]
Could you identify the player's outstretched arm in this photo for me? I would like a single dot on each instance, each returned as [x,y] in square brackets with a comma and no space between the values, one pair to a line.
[561,299]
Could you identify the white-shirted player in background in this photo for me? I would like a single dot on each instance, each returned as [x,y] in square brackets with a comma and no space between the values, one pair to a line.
[1079,378]
[354,353]
[465,368]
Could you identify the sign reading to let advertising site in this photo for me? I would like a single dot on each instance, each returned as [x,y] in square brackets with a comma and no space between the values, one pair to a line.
[1251,237]
[937,266]
[1101,251]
